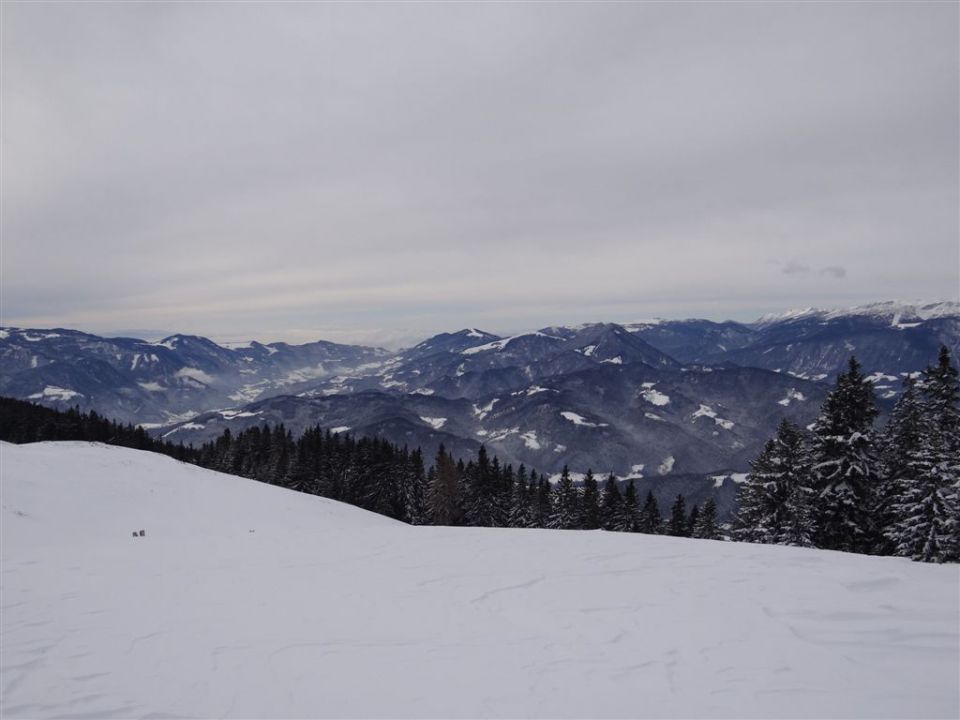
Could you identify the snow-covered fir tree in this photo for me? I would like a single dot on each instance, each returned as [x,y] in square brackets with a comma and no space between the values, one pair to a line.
[705,526]
[845,465]
[566,506]
[776,501]
[628,518]
[678,524]
[924,470]
[610,504]
[520,511]
[590,503]
[444,496]
[650,520]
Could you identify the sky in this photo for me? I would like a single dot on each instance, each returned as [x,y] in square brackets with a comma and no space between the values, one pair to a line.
[378,172]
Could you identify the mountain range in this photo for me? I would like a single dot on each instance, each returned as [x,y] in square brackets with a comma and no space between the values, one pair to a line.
[677,398]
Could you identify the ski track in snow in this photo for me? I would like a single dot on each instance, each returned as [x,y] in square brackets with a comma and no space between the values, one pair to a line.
[245,600]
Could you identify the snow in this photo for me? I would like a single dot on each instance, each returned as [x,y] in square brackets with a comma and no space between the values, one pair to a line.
[792,394]
[195,374]
[4,334]
[588,351]
[654,397]
[185,426]
[339,429]
[435,423]
[530,440]
[151,386]
[666,467]
[707,411]
[482,412]
[422,391]
[474,333]
[560,448]
[652,416]
[53,392]
[580,420]
[502,343]
[39,338]
[618,360]
[234,414]
[879,377]
[246,600]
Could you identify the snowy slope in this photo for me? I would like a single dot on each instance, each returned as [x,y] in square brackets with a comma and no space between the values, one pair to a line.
[245,600]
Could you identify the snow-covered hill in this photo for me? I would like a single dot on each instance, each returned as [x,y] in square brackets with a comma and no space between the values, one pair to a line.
[245,600]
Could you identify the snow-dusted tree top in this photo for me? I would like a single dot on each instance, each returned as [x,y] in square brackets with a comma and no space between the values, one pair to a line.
[247,600]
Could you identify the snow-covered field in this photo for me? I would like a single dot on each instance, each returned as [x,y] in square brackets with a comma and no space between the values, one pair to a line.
[248,601]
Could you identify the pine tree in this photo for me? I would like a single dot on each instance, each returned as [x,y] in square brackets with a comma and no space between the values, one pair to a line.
[543,506]
[443,500]
[590,503]
[692,519]
[566,508]
[925,473]
[413,490]
[520,514]
[776,499]
[845,465]
[610,504]
[651,521]
[628,519]
[706,527]
[677,525]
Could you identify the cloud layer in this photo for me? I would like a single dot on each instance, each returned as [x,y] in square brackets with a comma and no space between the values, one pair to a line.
[378,171]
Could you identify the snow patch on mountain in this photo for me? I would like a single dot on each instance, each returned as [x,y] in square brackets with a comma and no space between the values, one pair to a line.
[580,420]
[435,422]
[654,397]
[498,345]
[707,411]
[666,467]
[53,392]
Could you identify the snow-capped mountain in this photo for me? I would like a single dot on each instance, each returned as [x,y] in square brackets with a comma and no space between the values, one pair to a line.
[651,399]
[157,382]
[889,339]
[633,419]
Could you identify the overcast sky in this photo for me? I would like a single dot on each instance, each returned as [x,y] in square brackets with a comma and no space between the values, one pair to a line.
[379,172]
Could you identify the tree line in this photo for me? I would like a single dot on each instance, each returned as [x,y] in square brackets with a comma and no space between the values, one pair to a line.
[379,476]
[847,485]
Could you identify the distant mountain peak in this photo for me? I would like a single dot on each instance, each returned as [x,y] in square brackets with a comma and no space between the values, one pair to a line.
[895,311]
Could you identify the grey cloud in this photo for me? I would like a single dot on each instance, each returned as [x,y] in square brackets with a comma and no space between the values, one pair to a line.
[795,268]
[274,169]
[834,271]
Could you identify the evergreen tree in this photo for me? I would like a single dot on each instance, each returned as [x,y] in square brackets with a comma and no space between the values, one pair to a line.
[628,519]
[706,527]
[610,504]
[925,473]
[590,503]
[692,520]
[678,526]
[543,507]
[651,521]
[566,508]
[414,490]
[776,499]
[481,491]
[520,515]
[845,465]
[443,502]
